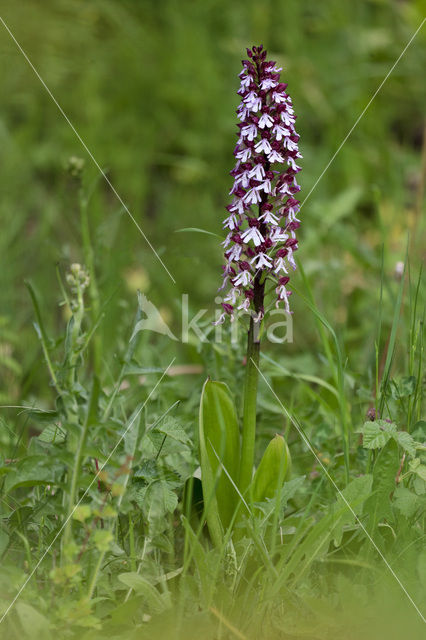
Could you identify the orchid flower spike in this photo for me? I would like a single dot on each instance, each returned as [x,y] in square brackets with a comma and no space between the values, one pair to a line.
[262,217]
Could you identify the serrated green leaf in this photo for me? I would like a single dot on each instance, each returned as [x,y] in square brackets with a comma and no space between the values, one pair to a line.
[172,429]
[157,500]
[53,434]
[374,436]
[406,442]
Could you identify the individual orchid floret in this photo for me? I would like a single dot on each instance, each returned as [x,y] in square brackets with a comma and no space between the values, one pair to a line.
[261,221]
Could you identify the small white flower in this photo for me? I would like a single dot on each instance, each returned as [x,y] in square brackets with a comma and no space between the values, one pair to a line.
[265,121]
[243,112]
[269,218]
[252,196]
[263,145]
[278,235]
[246,81]
[284,188]
[282,294]
[235,253]
[292,212]
[249,131]
[263,260]
[274,156]
[227,241]
[291,163]
[252,233]
[287,119]
[289,144]
[258,172]
[278,97]
[268,83]
[252,101]
[231,222]
[245,304]
[242,179]
[280,265]
[237,205]
[266,186]
[290,259]
[242,279]
[220,320]
[280,131]
[243,154]
[232,296]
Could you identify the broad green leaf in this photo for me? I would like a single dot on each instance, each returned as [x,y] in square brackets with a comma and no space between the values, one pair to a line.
[219,450]
[273,470]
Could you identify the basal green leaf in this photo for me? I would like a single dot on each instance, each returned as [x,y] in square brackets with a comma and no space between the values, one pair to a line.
[219,454]
[273,470]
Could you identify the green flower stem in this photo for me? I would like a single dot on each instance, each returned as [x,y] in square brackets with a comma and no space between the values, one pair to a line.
[249,410]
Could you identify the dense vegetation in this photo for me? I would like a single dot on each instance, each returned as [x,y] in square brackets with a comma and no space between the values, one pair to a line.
[101,506]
